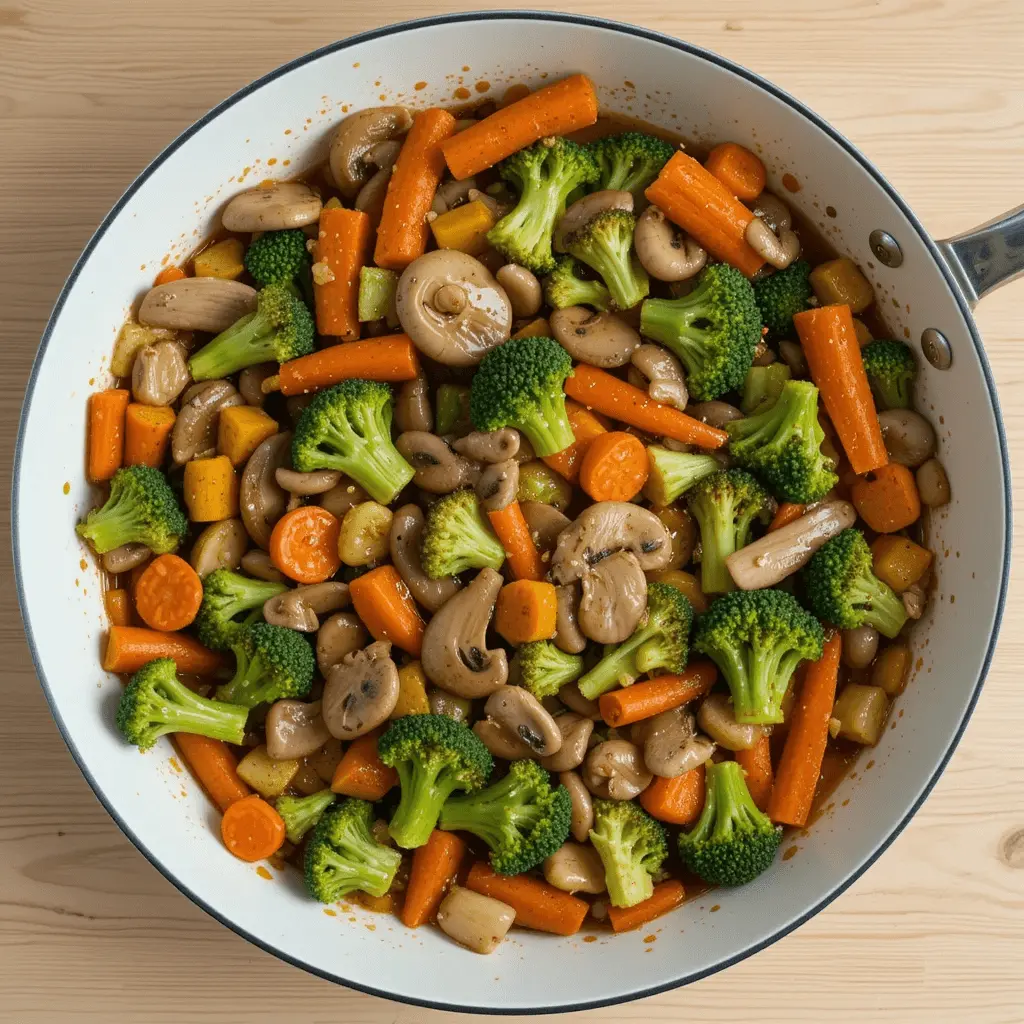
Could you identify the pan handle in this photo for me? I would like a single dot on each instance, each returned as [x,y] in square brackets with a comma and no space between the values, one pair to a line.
[988,256]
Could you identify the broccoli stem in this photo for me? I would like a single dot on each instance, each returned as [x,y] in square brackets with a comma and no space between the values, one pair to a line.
[423,795]
[759,687]
[717,542]
[185,711]
[549,431]
[246,342]
[113,526]
[616,668]
[882,607]
[380,469]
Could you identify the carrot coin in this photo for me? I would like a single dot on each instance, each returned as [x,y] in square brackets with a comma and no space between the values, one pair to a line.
[304,544]
[168,594]
[615,467]
[252,829]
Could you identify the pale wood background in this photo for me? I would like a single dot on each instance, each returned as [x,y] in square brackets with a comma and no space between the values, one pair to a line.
[90,90]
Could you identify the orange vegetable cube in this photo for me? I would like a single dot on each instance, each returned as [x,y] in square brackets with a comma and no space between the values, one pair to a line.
[899,562]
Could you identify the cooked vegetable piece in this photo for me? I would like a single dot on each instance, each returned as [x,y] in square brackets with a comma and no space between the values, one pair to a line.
[564,287]
[605,244]
[223,259]
[392,358]
[281,257]
[210,489]
[512,531]
[230,602]
[526,611]
[361,772]
[891,369]
[301,813]
[544,669]
[106,433]
[457,537]
[891,668]
[168,593]
[763,386]
[216,768]
[537,904]
[632,846]
[452,414]
[272,663]
[740,170]
[615,467]
[412,692]
[147,434]
[342,248]
[662,693]
[586,428]
[788,512]
[167,276]
[840,281]
[631,161]
[269,777]
[861,712]
[434,868]
[118,605]
[673,473]
[780,296]
[886,498]
[898,561]
[756,762]
[538,482]
[464,228]
[129,648]
[676,801]
[377,292]
[251,829]
[384,605]
[241,429]
[665,897]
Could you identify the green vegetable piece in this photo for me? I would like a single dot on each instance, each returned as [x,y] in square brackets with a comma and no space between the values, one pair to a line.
[231,602]
[605,244]
[632,846]
[457,537]
[272,663]
[378,289]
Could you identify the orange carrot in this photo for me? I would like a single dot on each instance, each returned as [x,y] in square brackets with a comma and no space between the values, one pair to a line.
[361,773]
[886,498]
[383,603]
[304,544]
[537,905]
[119,607]
[554,110]
[662,693]
[403,232]
[169,274]
[526,611]
[800,766]
[613,397]
[147,433]
[213,764]
[787,513]
[667,896]
[392,358]
[130,647]
[252,829]
[757,764]
[833,356]
[692,197]
[615,467]
[510,525]
[343,247]
[106,432]
[677,801]
[586,427]
[434,867]
[168,594]
[741,171]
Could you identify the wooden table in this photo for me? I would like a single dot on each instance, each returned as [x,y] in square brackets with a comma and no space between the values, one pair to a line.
[89,93]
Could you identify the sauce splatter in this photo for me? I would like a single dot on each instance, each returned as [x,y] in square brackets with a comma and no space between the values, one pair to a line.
[67,487]
[419,86]
[482,86]
[830,211]
[513,93]
[790,853]
[370,927]
[173,762]
[264,873]
[272,161]
[650,938]
[590,938]
[329,912]
[716,908]
[462,93]
[789,183]
[83,565]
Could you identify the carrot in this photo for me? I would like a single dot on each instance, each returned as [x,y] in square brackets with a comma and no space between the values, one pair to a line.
[613,397]
[677,801]
[667,896]
[800,765]
[392,358]
[169,274]
[886,498]
[741,171]
[130,647]
[342,248]
[106,433]
[757,764]
[537,905]
[147,433]
[119,607]
[213,764]
[787,513]
[361,773]
[252,829]
[168,594]
[692,197]
[615,467]
[586,427]
[434,867]
[554,110]
[662,693]
[383,603]
[526,611]
[829,341]
[510,525]
[304,544]
[403,232]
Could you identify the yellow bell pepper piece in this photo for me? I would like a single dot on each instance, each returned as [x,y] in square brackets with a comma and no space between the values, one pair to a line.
[412,691]
[222,259]
[241,429]
[211,489]
[464,228]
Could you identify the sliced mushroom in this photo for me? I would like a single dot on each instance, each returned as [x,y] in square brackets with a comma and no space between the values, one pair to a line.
[195,429]
[373,195]
[442,703]
[576,731]
[615,770]
[159,373]
[715,716]
[571,697]
[498,485]
[614,599]
[339,499]
[568,636]
[197,304]
[412,406]
[261,499]
[773,211]
[404,543]
[665,252]
[666,380]
[220,546]
[294,729]
[546,523]
[320,481]
[439,470]
[298,608]
[574,867]
[355,137]
[584,210]
[492,446]
[600,339]
[672,745]
[361,692]
[257,563]
[125,558]
[501,741]
[250,383]
[522,288]
[339,636]
[715,414]
[522,714]
[274,207]
[909,438]
[451,194]
[582,805]
[777,249]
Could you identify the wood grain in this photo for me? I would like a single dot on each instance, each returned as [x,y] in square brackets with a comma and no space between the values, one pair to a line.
[89,92]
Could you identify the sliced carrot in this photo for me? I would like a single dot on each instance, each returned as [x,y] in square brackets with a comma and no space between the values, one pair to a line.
[757,763]
[251,829]
[434,867]
[147,434]
[214,766]
[392,358]
[383,603]
[615,467]
[304,544]
[168,594]
[526,611]
[886,498]
[667,896]
[130,647]
[510,526]
[119,607]
[739,170]
[106,432]
[361,773]
[585,427]
[342,249]
[169,274]
[662,693]
[537,905]
[677,801]
[787,513]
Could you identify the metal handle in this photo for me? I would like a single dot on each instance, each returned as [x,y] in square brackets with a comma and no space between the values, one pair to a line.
[988,256]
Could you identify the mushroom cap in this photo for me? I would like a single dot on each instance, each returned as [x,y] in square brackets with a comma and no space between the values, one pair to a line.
[361,692]
[356,136]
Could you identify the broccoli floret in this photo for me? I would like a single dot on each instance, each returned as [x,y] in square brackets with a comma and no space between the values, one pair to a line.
[519,384]
[348,428]
[757,638]
[674,473]
[457,537]
[544,669]
[301,813]
[605,244]
[563,287]
[230,602]
[661,641]
[783,445]
[891,370]
[452,413]
[281,257]
[842,588]
[725,505]
[156,702]
[763,386]
[632,846]
[434,756]
[521,817]
[630,161]
[782,294]
[713,330]
[342,855]
[141,509]
[733,842]
[272,662]
[544,175]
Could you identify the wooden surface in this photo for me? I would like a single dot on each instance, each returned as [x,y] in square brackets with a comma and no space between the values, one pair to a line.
[89,92]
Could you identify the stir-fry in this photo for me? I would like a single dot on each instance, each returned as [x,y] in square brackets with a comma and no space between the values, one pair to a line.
[515,522]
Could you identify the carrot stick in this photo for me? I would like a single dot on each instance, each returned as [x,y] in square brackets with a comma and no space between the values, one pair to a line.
[343,247]
[800,766]
[106,432]
[392,358]
[833,356]
[511,528]
[251,829]
[119,607]
[586,427]
[361,773]
[168,594]
[677,801]
[662,693]
[383,603]
[692,197]
[130,647]
[887,499]
[613,397]
[787,513]
[147,433]
[434,867]
[739,170]
[615,467]
[757,763]
[537,905]
[169,274]
[304,544]
[213,764]
[526,610]
[667,896]
[403,232]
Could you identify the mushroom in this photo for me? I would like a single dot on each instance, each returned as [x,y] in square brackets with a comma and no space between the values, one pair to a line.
[455,655]
[576,730]
[320,481]
[343,496]
[498,485]
[339,636]
[777,249]
[412,405]
[373,194]
[356,136]
[773,211]
[257,563]
[250,383]
[933,484]
[439,470]
[159,373]
[518,711]
[909,438]
[492,446]
[600,339]
[298,608]
[615,770]
[586,209]
[220,546]
[522,288]
[792,355]
[715,414]
[546,523]
[261,499]
[667,382]
[195,429]
[582,805]
[452,308]
[404,543]
[501,741]
[361,691]
[473,920]
[665,252]
[451,194]
[672,745]
[614,599]
[294,729]
[125,558]
[568,637]
[574,867]
[197,304]
[715,716]
[860,646]
[571,697]
[274,207]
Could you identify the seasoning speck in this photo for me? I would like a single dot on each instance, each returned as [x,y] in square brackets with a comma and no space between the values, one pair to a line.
[419,86]
[329,912]
[67,487]
[790,853]
[264,873]
[650,938]
[717,907]
[790,184]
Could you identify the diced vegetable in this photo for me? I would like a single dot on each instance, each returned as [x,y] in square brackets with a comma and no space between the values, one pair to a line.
[887,499]
[510,527]
[168,594]
[210,489]
[891,669]
[741,171]
[452,415]
[464,228]
[304,544]
[383,603]
[251,829]
[667,896]
[586,428]
[526,611]
[268,777]
[615,467]
[241,429]
[677,801]
[538,482]
[106,433]
[364,534]
[412,691]
[378,289]
[147,434]
[538,328]
[861,712]
[839,282]
[361,773]
[898,561]
[132,337]
[684,581]
[222,259]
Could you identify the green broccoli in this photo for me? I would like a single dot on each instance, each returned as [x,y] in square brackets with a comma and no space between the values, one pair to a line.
[342,856]
[156,702]
[457,537]
[891,370]
[674,473]
[725,506]
[141,509]
[632,846]
[348,428]
[281,257]
[661,641]
[713,330]
[279,330]
[763,386]
[272,662]
[452,413]
[544,669]
[521,817]
[757,638]
[544,175]
[842,588]
[230,602]
[733,842]
[301,813]
[519,384]
[783,445]
[780,295]
[630,161]
[564,287]
[605,244]
[434,756]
